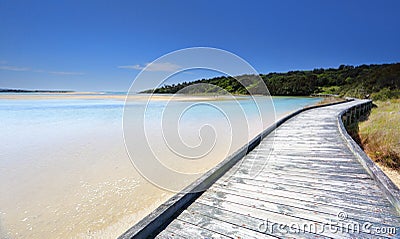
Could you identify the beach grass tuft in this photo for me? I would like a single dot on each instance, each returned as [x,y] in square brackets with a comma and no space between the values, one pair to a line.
[379,135]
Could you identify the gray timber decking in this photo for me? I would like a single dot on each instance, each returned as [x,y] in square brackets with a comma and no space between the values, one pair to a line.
[309,177]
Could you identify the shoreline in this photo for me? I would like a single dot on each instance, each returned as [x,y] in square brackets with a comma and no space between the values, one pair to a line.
[122,97]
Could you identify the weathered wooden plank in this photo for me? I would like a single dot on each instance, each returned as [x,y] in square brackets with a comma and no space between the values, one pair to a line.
[309,159]
[337,168]
[300,185]
[245,212]
[332,181]
[301,158]
[189,230]
[371,210]
[308,181]
[313,177]
[317,167]
[373,214]
[205,220]
[293,170]
[256,185]
[290,153]
[167,234]
[370,214]
[317,198]
[241,220]
[301,141]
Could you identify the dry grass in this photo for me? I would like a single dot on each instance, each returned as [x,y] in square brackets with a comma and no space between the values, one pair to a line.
[380,134]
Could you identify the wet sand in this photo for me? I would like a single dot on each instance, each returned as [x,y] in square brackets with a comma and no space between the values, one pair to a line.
[83,188]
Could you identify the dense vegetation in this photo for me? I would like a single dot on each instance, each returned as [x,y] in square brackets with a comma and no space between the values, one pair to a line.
[378,81]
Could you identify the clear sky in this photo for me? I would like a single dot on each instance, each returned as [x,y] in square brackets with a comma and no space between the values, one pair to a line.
[101,45]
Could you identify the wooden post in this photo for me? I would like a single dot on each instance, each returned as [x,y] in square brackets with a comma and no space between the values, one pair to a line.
[348,114]
[358,109]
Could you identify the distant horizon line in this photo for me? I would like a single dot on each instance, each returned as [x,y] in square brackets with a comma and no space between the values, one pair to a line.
[44,90]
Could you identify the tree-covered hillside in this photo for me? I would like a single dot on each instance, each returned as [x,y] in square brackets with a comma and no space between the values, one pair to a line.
[379,81]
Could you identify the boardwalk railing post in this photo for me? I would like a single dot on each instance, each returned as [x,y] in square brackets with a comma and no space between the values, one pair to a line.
[348,113]
[344,119]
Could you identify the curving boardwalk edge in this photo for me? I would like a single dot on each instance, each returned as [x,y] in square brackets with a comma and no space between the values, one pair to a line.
[390,189]
[159,221]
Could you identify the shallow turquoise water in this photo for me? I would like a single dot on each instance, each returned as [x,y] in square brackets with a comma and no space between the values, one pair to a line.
[23,113]
[58,156]
[31,122]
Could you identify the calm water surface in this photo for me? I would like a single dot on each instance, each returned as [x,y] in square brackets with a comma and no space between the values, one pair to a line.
[64,170]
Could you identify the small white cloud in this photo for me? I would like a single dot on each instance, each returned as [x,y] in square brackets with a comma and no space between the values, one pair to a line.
[165,67]
[3,62]
[17,68]
[135,67]
[66,73]
[14,68]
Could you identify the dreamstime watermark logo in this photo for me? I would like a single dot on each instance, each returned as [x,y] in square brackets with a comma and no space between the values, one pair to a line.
[173,140]
[340,225]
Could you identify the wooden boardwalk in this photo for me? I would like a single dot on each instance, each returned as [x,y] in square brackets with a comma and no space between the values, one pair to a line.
[310,185]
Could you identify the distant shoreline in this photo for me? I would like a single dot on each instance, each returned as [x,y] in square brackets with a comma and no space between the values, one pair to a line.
[35,95]
[34,91]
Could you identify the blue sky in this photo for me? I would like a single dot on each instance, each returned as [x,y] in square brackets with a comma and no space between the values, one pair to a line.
[102,45]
